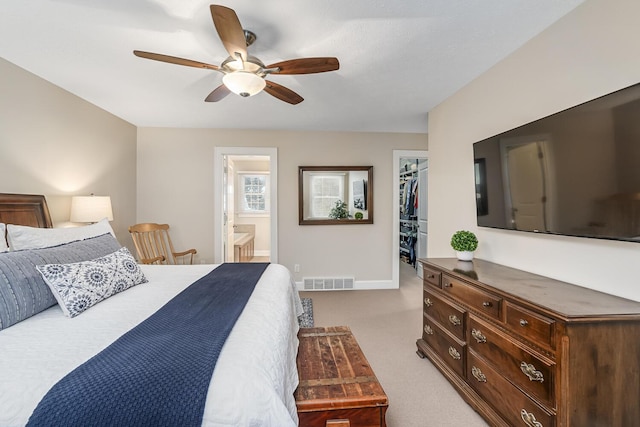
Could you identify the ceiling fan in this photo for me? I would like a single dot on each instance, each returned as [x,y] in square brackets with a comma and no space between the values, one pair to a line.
[245,74]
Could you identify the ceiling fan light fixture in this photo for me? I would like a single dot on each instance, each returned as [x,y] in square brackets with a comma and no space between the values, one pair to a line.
[244,83]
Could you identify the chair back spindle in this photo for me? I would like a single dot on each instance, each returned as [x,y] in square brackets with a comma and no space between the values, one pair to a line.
[153,244]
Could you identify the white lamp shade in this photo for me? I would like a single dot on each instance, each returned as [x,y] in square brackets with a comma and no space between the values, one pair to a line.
[243,83]
[90,208]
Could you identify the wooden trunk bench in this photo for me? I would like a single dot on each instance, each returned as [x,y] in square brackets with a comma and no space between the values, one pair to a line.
[337,386]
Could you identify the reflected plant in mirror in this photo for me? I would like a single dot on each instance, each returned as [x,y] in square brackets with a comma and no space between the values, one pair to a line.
[339,211]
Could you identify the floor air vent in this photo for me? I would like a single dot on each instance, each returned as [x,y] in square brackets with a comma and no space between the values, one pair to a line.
[324,283]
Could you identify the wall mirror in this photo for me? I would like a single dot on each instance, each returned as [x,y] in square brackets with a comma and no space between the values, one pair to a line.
[335,195]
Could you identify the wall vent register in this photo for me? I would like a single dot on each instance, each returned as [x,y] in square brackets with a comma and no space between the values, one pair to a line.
[326,283]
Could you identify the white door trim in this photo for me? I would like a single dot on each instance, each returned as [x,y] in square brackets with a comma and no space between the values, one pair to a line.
[219,153]
[395,241]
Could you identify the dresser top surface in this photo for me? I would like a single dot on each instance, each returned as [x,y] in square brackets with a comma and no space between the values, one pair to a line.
[565,299]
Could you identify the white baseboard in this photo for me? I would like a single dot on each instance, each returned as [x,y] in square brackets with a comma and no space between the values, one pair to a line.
[357,285]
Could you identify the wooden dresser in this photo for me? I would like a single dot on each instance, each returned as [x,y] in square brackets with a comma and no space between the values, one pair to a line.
[527,350]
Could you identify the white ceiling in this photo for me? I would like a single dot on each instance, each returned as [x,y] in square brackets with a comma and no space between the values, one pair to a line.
[398,58]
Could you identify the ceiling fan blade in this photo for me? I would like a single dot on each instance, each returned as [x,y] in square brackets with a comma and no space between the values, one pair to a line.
[229,30]
[306,65]
[174,60]
[282,93]
[217,94]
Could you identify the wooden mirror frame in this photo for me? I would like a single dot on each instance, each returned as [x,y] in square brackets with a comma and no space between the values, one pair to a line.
[304,217]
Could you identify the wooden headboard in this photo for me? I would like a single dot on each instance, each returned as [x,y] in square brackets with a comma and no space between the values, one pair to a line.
[24,209]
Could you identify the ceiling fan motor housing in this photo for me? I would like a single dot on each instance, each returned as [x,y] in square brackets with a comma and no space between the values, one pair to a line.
[252,65]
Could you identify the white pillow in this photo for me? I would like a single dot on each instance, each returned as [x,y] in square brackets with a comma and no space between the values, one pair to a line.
[3,240]
[22,237]
[81,285]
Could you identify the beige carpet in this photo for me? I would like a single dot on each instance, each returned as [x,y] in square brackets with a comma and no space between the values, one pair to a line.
[386,324]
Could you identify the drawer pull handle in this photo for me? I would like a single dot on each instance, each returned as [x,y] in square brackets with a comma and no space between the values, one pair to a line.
[428,330]
[454,353]
[530,371]
[431,276]
[523,322]
[428,302]
[447,284]
[487,304]
[454,320]
[478,375]
[478,336]
[529,419]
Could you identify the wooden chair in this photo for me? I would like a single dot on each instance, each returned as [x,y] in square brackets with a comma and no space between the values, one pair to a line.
[154,246]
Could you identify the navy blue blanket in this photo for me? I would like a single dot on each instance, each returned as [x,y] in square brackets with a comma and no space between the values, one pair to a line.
[158,373]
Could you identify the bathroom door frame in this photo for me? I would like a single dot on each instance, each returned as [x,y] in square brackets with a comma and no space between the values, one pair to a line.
[219,190]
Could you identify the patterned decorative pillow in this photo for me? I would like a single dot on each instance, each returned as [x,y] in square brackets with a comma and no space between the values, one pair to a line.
[23,292]
[81,285]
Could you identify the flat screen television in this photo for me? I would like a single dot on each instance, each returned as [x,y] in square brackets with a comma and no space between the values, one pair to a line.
[574,173]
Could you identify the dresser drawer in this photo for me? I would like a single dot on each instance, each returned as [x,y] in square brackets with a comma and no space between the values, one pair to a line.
[447,347]
[431,277]
[533,326]
[448,315]
[510,402]
[475,298]
[521,367]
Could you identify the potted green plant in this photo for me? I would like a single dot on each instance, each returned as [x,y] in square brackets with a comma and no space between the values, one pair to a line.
[464,243]
[339,211]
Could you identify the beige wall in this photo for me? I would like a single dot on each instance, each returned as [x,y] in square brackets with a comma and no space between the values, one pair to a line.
[56,144]
[588,53]
[175,185]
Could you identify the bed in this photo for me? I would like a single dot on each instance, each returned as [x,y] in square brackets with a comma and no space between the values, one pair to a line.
[255,375]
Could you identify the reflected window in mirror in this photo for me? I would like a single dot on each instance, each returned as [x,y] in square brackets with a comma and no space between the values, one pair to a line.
[327,188]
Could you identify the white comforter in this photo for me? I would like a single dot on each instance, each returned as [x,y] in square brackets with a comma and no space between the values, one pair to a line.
[254,379]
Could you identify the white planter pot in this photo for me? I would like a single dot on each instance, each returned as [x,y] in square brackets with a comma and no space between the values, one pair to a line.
[464,266]
[464,255]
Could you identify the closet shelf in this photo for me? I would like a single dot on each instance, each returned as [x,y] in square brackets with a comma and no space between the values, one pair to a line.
[408,231]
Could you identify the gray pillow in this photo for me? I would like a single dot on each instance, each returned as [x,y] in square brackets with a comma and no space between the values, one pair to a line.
[23,292]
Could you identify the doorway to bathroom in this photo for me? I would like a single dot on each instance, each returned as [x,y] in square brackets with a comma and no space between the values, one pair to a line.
[246,199]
